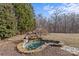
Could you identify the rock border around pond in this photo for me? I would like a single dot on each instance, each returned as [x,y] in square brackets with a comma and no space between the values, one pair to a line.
[23,50]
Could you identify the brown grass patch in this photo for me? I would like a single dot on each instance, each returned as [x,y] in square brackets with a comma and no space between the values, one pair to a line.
[68,39]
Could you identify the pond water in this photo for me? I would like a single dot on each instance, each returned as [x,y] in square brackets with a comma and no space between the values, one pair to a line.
[34,44]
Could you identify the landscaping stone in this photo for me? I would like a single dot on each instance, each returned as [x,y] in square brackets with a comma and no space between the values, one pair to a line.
[73,50]
[25,50]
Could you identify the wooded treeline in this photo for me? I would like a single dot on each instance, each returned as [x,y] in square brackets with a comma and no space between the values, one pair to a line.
[16,19]
[20,18]
[59,22]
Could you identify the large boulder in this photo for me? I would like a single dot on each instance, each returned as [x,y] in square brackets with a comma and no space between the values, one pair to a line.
[32,35]
[36,34]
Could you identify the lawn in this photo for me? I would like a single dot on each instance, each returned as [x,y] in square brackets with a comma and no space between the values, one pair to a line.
[68,39]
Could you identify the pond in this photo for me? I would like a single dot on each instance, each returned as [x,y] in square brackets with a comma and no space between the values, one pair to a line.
[34,44]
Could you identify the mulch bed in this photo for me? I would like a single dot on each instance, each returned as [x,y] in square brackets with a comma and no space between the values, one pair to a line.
[8,48]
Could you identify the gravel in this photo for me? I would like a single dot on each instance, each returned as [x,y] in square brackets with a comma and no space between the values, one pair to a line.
[72,50]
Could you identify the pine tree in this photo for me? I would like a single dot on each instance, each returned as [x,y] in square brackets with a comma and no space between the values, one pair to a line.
[25,17]
[16,17]
[7,21]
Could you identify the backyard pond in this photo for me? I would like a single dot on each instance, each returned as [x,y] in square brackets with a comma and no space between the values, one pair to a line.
[34,44]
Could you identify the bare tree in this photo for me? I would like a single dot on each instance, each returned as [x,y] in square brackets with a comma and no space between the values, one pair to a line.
[59,22]
[55,18]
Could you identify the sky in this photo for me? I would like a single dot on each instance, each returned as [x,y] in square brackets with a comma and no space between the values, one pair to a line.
[47,9]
